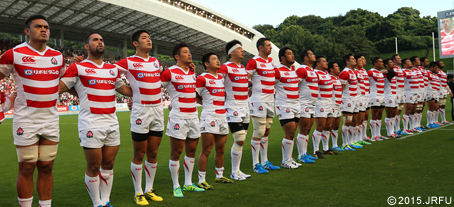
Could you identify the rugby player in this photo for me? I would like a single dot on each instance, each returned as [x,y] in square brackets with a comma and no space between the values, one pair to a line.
[6,104]
[397,61]
[390,98]
[365,97]
[360,138]
[36,69]
[334,70]
[420,99]
[377,97]
[443,93]
[95,83]
[432,95]
[411,90]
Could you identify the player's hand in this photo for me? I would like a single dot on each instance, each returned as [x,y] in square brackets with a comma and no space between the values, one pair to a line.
[450,94]
[384,71]
[76,59]
[169,107]
[12,97]
[192,67]
[130,105]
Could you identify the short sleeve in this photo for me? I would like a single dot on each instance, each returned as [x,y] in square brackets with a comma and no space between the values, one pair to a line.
[200,84]
[160,66]
[277,73]
[63,65]
[251,66]
[122,65]
[301,73]
[223,71]
[70,76]
[166,77]
[7,62]
[343,77]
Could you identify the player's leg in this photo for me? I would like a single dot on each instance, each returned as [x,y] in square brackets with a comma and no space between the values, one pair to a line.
[190,145]
[289,126]
[365,120]
[305,125]
[151,163]
[373,123]
[106,173]
[219,145]
[264,145]
[176,148]
[406,117]
[317,136]
[348,117]
[207,140]
[238,130]
[139,143]
[442,111]
[379,121]
[389,122]
[27,158]
[326,135]
[47,151]
[259,125]
[93,157]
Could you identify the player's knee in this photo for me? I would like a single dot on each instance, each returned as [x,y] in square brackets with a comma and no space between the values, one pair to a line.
[269,122]
[47,152]
[153,153]
[27,154]
[267,132]
[220,150]
[45,167]
[259,127]
[237,147]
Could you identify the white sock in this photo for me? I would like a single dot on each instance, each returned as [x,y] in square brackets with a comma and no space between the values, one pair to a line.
[188,168]
[364,129]
[255,147]
[405,120]
[264,149]
[174,167]
[393,122]
[373,129]
[397,124]
[334,134]
[106,181]
[359,133]
[388,126]
[351,138]
[345,134]
[378,123]
[92,184]
[325,140]
[412,121]
[301,142]
[419,119]
[236,159]
[25,202]
[442,114]
[219,172]
[150,172]
[429,117]
[45,203]
[136,171]
[202,176]
[316,136]
[287,149]
[436,116]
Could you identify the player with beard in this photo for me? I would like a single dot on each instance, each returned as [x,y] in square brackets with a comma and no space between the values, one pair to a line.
[419,106]
[334,70]
[377,97]
[365,98]
[423,68]
[390,98]
[96,82]
[411,90]
[363,103]
[397,61]
[432,95]
[443,93]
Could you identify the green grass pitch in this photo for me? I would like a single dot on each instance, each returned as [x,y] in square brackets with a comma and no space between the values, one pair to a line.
[420,165]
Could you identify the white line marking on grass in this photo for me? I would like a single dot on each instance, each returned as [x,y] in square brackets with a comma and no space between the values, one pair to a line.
[428,130]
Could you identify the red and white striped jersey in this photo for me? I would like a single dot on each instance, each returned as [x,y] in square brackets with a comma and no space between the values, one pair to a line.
[399,78]
[390,88]
[337,90]
[425,76]
[37,77]
[377,84]
[361,85]
[308,86]
[181,87]
[236,83]
[144,78]
[349,79]
[286,85]
[366,80]
[263,79]
[212,91]
[325,88]
[420,78]
[443,80]
[411,82]
[95,86]
[447,42]
[434,82]
[2,101]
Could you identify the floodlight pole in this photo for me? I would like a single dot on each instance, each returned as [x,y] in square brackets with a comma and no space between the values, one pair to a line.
[397,52]
[433,44]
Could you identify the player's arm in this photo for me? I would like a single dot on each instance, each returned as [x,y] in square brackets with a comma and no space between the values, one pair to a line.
[8,102]
[251,67]
[125,90]
[6,63]
[343,77]
[200,85]
[68,80]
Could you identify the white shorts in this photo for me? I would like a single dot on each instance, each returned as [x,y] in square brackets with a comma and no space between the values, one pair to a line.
[237,114]
[336,111]
[98,137]
[324,111]
[183,128]
[377,102]
[288,112]
[349,105]
[391,102]
[400,98]
[147,118]
[419,98]
[262,109]
[432,96]
[363,103]
[214,126]
[411,98]
[307,111]
[26,134]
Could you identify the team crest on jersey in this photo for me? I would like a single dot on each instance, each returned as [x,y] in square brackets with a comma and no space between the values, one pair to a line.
[349,105]
[307,109]
[235,113]
[140,75]
[322,110]
[139,121]
[176,127]
[92,82]
[193,77]
[155,65]
[112,73]
[20,131]
[287,110]
[89,134]
[236,78]
[260,108]
[212,124]
[28,72]
[54,61]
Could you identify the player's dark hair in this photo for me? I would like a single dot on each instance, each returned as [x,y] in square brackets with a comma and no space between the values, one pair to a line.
[230,45]
[375,59]
[177,48]
[386,61]
[358,56]
[261,42]
[404,62]
[346,58]
[282,52]
[413,59]
[318,59]
[422,59]
[206,58]
[87,38]
[433,64]
[439,65]
[136,35]
[303,54]
[331,65]
[393,57]
[33,17]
